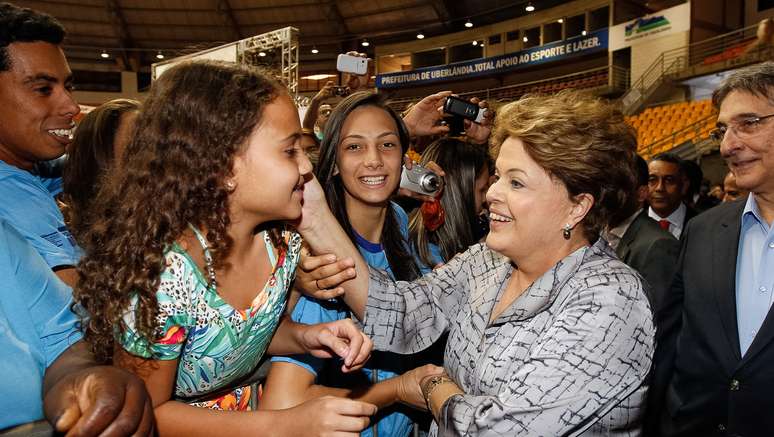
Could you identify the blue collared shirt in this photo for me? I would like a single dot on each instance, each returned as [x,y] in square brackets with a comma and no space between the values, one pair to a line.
[754,273]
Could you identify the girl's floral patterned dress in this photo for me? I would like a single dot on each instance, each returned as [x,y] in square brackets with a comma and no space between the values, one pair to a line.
[214,343]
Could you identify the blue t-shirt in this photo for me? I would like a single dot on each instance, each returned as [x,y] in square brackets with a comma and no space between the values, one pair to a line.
[383,365]
[28,205]
[36,326]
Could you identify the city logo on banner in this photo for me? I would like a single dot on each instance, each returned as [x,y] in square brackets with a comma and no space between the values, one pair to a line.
[639,30]
[560,50]
[646,25]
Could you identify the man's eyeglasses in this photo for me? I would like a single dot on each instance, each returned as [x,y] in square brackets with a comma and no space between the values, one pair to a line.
[743,128]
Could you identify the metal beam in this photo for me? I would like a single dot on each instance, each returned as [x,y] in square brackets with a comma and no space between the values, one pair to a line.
[442,11]
[224,10]
[121,30]
[332,13]
[422,4]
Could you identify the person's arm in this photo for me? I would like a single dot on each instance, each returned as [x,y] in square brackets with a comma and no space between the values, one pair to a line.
[595,354]
[313,110]
[422,119]
[339,338]
[318,417]
[88,399]
[68,275]
[289,384]
[479,133]
[324,235]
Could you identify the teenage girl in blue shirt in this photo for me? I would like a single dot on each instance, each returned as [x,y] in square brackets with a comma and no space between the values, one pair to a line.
[359,169]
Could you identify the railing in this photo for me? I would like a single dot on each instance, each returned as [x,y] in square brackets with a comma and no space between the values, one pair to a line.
[695,131]
[709,51]
[617,77]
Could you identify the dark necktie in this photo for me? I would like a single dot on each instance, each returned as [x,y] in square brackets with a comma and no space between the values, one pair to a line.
[664,224]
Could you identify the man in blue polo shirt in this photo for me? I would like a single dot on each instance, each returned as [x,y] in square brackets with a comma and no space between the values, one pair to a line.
[37,110]
[42,353]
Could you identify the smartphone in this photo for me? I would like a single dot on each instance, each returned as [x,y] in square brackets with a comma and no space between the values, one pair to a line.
[352,64]
[463,108]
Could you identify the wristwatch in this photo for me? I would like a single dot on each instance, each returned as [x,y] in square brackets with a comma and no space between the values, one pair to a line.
[429,386]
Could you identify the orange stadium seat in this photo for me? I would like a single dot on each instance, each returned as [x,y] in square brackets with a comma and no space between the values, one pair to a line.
[656,124]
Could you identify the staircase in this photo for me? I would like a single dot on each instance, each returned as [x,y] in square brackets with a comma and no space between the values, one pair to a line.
[719,53]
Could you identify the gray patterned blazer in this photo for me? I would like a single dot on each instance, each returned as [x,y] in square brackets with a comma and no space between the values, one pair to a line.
[569,357]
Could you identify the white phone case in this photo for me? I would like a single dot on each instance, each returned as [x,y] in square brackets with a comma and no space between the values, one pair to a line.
[352,64]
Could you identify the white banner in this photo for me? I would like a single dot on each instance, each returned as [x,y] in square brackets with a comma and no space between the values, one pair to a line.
[655,25]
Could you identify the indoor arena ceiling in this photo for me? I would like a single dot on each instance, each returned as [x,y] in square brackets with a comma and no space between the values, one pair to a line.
[134,32]
[131,34]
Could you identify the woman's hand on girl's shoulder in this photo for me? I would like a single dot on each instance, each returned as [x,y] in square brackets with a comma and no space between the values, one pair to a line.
[320,276]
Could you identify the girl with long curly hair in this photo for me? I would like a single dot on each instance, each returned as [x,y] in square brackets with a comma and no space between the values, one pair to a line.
[189,261]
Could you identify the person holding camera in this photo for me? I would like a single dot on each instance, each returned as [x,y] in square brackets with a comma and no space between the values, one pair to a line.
[317,112]
[360,167]
[548,332]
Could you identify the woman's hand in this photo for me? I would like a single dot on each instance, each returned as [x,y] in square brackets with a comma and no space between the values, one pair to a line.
[338,338]
[326,92]
[432,166]
[410,389]
[314,208]
[479,133]
[422,119]
[325,416]
[320,276]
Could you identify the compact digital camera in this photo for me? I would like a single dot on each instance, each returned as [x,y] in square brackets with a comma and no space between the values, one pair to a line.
[462,108]
[420,180]
[340,91]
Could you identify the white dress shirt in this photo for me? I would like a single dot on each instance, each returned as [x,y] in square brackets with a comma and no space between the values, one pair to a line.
[676,219]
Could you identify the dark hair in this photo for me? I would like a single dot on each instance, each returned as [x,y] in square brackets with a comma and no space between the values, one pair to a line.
[314,152]
[395,247]
[757,80]
[25,25]
[91,154]
[693,174]
[642,171]
[670,158]
[581,141]
[196,119]
[462,162]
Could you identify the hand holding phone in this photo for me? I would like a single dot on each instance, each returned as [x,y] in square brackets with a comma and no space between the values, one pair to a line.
[462,108]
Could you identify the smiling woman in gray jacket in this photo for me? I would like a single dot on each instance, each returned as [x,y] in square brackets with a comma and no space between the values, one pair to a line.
[549,333]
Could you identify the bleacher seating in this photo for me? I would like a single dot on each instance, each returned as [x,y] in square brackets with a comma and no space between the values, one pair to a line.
[591,80]
[585,80]
[660,128]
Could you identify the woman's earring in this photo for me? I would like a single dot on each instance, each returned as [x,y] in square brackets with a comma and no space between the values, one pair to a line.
[230,184]
[335,169]
[566,231]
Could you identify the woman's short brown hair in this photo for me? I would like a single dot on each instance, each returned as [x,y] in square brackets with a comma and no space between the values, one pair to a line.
[582,142]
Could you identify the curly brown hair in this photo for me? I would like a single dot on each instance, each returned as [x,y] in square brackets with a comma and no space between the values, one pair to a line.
[197,117]
[581,141]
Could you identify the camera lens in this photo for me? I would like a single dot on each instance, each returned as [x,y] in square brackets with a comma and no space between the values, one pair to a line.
[430,183]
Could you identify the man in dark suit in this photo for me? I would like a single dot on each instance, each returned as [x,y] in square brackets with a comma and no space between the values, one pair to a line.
[667,186]
[643,245]
[714,366]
